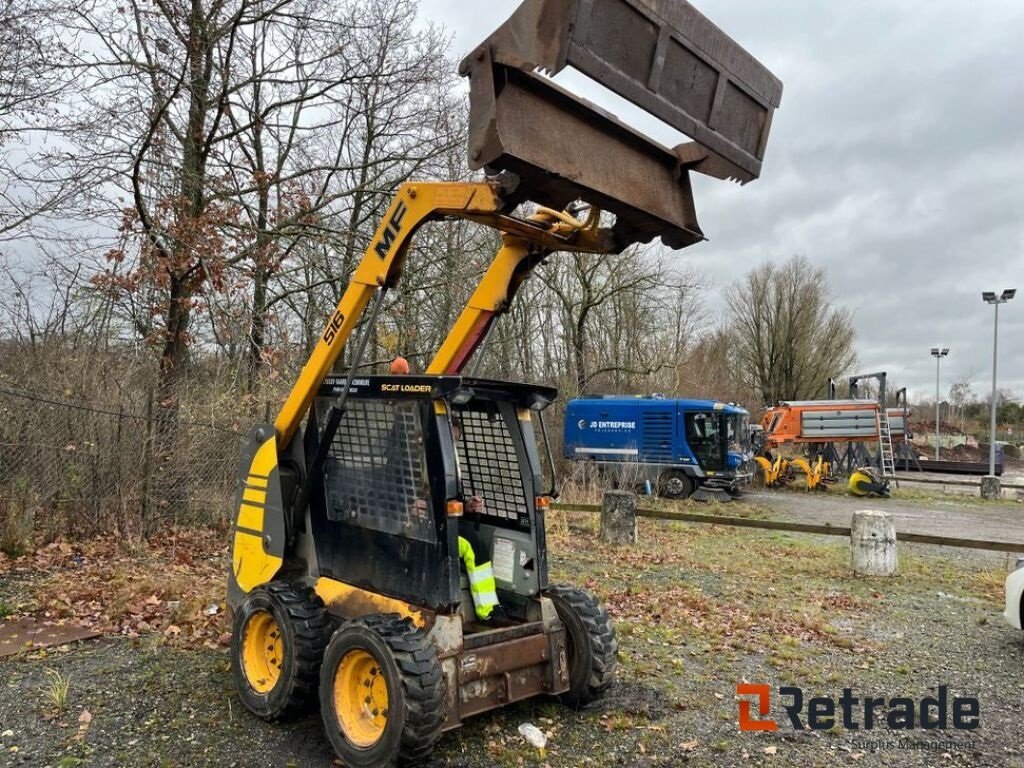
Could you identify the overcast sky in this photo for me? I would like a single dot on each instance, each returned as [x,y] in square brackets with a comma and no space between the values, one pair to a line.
[896,162]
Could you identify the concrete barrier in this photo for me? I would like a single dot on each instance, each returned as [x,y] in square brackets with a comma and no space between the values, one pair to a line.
[873,543]
[991,488]
[618,518]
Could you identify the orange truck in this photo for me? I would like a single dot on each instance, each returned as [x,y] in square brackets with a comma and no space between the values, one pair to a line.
[820,421]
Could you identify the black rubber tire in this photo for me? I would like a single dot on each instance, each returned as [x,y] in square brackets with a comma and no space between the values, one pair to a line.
[305,628]
[591,646]
[415,686]
[674,484]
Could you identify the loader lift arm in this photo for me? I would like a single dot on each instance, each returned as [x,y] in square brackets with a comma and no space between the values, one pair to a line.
[527,241]
[514,260]
[513,263]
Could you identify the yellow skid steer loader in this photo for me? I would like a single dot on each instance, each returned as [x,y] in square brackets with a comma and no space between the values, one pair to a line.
[389,560]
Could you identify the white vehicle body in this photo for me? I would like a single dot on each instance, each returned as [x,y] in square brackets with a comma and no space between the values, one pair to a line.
[1014,594]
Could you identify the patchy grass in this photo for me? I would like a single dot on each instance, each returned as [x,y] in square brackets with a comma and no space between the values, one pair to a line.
[937,494]
[950,495]
[726,592]
[56,692]
[698,609]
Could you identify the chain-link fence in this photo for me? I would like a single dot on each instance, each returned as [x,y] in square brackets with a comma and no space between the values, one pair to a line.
[72,467]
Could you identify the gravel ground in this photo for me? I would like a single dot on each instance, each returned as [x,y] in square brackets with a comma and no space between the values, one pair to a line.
[917,510]
[698,610]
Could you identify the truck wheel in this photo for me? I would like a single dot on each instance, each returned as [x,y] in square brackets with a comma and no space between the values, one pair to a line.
[674,484]
[590,644]
[277,642]
[381,692]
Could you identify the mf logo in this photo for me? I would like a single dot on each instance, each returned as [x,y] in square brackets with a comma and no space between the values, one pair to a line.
[763,694]
[390,233]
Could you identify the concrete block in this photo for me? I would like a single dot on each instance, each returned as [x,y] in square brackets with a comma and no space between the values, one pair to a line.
[991,488]
[618,518]
[873,543]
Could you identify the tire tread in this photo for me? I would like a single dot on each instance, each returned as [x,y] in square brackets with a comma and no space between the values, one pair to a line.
[421,679]
[311,627]
[604,645]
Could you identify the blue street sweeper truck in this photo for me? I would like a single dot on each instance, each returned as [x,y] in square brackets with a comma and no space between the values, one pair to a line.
[675,448]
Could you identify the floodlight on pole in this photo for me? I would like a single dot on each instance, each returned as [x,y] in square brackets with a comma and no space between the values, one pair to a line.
[989,297]
[938,353]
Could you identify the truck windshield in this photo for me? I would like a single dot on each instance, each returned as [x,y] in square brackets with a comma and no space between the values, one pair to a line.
[702,434]
[737,432]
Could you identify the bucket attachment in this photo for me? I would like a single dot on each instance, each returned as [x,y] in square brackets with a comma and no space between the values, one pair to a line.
[663,56]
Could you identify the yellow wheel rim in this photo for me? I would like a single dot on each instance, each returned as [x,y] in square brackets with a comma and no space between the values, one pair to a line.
[262,651]
[361,698]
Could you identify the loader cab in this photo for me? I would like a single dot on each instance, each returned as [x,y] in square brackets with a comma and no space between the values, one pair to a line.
[409,454]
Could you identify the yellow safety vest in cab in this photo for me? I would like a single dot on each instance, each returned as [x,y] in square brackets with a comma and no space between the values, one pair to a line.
[481,581]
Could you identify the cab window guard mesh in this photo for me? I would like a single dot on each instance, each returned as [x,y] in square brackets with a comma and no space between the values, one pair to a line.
[489,466]
[375,476]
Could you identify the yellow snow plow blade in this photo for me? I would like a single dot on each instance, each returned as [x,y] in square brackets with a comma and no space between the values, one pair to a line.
[817,475]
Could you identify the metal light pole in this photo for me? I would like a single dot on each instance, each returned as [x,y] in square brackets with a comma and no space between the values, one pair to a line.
[938,353]
[990,298]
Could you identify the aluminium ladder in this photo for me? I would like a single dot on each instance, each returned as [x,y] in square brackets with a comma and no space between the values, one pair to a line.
[885,452]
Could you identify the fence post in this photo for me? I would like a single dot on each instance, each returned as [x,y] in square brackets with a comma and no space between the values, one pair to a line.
[873,543]
[618,517]
[990,488]
[147,462]
[118,460]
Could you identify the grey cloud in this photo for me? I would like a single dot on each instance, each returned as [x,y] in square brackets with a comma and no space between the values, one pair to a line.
[896,162]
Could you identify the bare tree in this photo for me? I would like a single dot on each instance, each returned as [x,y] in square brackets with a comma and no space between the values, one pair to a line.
[960,394]
[625,315]
[242,133]
[30,83]
[788,338]
[709,370]
[154,114]
[332,114]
